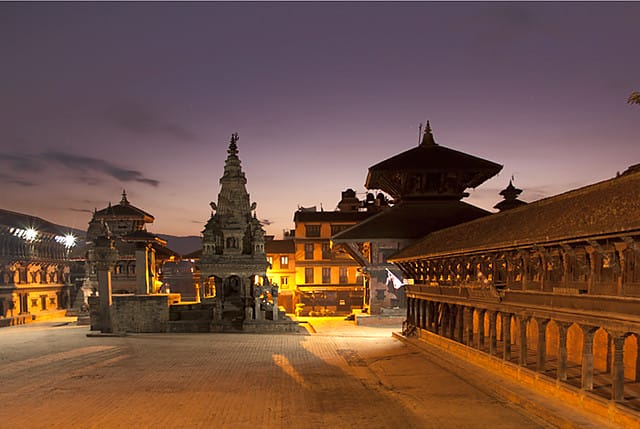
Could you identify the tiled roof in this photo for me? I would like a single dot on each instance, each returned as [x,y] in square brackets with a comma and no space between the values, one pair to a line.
[333,216]
[24,221]
[608,207]
[433,157]
[125,211]
[411,220]
[280,246]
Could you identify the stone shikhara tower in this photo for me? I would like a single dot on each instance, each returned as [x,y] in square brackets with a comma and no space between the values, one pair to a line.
[233,246]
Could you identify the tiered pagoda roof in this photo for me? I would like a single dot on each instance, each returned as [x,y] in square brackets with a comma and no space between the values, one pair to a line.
[430,171]
[427,184]
[605,208]
[124,210]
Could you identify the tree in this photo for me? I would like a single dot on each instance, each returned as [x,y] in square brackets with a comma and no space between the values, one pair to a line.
[634,98]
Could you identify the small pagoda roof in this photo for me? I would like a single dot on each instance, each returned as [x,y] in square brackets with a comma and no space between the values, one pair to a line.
[124,210]
[144,236]
[605,208]
[280,246]
[411,220]
[430,156]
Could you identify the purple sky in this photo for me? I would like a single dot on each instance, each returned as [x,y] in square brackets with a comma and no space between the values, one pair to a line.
[97,97]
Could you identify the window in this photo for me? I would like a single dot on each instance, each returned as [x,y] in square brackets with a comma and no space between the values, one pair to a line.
[270,261]
[326,275]
[308,251]
[284,261]
[312,230]
[343,274]
[284,282]
[326,250]
[308,275]
[335,229]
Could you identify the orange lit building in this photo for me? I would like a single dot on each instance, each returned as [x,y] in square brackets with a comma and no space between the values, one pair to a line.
[282,270]
[328,281]
[35,268]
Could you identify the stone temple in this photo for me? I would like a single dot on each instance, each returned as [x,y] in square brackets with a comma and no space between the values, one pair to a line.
[233,263]
[235,293]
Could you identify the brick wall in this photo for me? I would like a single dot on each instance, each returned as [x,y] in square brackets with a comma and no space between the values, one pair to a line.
[140,313]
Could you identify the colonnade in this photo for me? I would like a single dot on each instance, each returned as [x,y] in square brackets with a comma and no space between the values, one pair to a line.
[496,331]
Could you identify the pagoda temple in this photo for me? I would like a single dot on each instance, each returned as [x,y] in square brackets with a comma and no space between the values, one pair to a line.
[233,263]
[427,184]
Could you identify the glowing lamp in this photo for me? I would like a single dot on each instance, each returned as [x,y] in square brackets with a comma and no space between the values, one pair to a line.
[69,241]
[30,234]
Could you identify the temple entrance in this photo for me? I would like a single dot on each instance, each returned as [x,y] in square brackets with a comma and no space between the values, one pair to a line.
[233,308]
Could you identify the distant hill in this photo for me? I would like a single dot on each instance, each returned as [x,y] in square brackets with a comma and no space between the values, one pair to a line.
[182,245]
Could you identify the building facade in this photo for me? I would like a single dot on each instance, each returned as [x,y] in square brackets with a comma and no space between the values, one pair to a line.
[35,268]
[557,280]
[328,281]
[126,224]
[281,256]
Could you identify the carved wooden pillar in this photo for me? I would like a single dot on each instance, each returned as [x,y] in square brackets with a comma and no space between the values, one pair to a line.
[430,315]
[408,317]
[563,327]
[522,358]
[588,333]
[617,373]
[417,314]
[468,326]
[492,331]
[453,318]
[439,318]
[506,336]
[460,323]
[481,313]
[541,352]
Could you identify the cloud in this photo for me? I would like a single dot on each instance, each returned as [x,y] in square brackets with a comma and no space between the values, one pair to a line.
[71,209]
[7,179]
[86,166]
[139,119]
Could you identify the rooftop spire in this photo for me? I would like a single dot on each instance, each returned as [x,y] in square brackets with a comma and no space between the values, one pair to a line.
[510,195]
[427,137]
[124,200]
[233,147]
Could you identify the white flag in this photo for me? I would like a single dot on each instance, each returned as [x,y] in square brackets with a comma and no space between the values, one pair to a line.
[397,283]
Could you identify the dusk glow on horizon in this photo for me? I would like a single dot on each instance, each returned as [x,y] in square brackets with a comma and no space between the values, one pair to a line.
[101,97]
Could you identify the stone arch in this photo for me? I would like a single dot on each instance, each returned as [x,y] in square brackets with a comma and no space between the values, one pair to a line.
[602,350]
[574,344]
[553,338]
[632,357]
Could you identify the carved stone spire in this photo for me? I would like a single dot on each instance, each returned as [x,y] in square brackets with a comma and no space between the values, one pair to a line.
[233,196]
[124,200]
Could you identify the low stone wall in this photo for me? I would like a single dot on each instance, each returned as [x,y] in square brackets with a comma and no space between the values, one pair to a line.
[140,313]
[379,320]
[551,388]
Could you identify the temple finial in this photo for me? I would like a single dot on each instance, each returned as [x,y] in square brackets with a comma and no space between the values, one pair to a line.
[233,147]
[124,200]
[427,137]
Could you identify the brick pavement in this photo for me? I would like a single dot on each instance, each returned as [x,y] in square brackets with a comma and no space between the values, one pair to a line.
[55,376]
